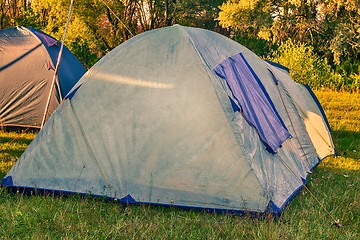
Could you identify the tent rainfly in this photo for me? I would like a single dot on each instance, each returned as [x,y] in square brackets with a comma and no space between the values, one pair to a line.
[184,117]
[27,62]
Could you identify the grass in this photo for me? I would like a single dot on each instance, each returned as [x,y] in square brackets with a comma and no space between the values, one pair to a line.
[336,182]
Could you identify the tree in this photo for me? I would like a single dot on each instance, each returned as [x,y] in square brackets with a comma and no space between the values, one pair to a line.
[246,16]
[332,27]
[10,10]
[308,68]
[97,26]
[249,22]
[197,13]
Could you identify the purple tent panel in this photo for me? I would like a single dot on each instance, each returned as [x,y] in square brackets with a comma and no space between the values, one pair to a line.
[46,38]
[253,101]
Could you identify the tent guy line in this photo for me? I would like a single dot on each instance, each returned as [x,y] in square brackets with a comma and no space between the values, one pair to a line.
[117,17]
[55,79]
[336,221]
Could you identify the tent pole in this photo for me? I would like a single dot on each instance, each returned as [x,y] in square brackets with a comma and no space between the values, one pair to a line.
[48,102]
[57,66]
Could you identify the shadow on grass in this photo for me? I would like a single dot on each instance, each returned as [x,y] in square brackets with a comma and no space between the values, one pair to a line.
[16,140]
[347,143]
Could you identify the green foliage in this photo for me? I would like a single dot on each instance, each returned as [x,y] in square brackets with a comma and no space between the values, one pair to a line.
[97,26]
[335,182]
[260,47]
[28,18]
[308,68]
[82,36]
[331,27]
[81,48]
[341,24]
[200,13]
[247,18]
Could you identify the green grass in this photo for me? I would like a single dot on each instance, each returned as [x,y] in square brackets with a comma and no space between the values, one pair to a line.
[336,183]
[12,145]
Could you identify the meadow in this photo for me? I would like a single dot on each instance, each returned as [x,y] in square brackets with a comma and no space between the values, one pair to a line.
[335,182]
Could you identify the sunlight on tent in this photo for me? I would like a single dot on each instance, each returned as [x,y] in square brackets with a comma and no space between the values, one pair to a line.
[135,82]
[318,134]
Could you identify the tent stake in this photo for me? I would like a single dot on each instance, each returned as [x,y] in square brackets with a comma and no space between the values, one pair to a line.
[336,222]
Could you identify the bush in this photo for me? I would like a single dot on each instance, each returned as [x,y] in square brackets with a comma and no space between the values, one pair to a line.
[308,68]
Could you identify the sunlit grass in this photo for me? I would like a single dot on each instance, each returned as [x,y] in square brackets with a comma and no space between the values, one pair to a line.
[342,109]
[12,145]
[349,164]
[335,182]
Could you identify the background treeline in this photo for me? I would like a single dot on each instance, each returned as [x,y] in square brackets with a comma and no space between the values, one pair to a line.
[319,40]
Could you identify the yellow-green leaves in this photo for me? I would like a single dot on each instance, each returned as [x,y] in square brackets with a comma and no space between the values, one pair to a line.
[236,13]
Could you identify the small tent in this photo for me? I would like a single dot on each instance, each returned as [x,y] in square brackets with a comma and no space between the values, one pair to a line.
[184,117]
[27,62]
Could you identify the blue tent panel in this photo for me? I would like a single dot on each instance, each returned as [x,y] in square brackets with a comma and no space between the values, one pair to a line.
[253,100]
[70,69]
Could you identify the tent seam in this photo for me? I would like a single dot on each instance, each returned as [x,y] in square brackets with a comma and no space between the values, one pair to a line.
[210,75]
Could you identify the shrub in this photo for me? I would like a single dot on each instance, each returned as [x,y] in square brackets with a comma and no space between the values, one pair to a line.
[308,68]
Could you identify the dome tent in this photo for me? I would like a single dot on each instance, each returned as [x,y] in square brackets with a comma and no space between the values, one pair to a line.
[27,62]
[185,117]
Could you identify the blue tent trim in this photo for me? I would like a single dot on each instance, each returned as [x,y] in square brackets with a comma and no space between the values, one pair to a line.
[235,107]
[128,199]
[316,100]
[278,65]
[253,100]
[271,210]
[7,181]
[72,93]
[273,77]
[319,106]
[278,210]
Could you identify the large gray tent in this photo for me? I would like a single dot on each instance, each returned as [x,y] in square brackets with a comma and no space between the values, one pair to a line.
[27,62]
[180,116]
